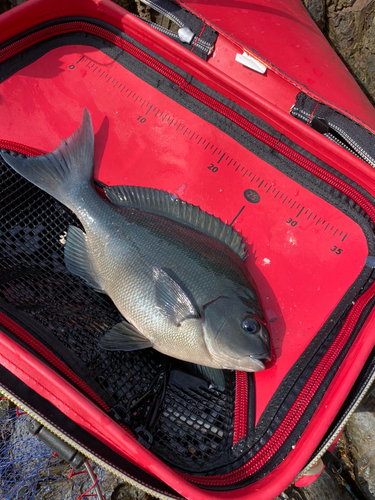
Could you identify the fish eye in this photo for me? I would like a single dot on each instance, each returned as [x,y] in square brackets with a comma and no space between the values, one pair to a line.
[251,325]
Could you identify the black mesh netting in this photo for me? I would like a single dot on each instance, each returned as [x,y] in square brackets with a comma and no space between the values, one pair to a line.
[192,427]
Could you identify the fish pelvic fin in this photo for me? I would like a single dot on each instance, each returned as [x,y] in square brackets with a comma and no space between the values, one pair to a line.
[65,169]
[124,337]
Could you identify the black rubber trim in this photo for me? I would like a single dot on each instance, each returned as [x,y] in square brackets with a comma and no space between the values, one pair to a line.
[366,373]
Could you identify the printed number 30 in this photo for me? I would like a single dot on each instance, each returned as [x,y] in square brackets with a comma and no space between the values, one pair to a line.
[336,250]
[291,222]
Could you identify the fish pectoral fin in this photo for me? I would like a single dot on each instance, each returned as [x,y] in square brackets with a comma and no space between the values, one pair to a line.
[124,337]
[78,259]
[173,298]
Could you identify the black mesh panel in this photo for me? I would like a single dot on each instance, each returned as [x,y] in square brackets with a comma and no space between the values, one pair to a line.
[194,426]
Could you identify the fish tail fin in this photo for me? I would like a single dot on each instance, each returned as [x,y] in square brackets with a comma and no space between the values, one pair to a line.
[68,167]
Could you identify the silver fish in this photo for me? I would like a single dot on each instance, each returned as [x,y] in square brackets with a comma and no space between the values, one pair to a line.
[173,271]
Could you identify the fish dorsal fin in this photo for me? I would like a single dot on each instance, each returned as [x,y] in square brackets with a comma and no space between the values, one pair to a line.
[163,203]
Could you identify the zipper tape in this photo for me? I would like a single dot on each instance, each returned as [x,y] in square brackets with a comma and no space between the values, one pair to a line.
[337,127]
[341,424]
[241,407]
[195,32]
[300,404]
[296,411]
[198,94]
[66,399]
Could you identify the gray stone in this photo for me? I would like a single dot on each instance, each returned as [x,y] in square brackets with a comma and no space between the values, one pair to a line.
[324,487]
[360,431]
[14,3]
[108,482]
[317,10]
[128,492]
[349,26]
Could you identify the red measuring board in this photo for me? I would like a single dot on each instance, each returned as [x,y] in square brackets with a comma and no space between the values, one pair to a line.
[303,253]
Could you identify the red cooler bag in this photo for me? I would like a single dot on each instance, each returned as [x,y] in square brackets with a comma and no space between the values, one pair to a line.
[244,111]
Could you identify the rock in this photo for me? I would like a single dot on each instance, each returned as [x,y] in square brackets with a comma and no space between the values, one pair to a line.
[317,10]
[108,482]
[325,487]
[351,31]
[359,430]
[343,452]
[349,26]
[9,4]
[127,492]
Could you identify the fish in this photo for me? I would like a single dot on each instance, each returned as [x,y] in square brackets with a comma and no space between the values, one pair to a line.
[175,273]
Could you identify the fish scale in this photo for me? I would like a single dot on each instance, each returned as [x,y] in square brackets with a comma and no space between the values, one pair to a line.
[177,276]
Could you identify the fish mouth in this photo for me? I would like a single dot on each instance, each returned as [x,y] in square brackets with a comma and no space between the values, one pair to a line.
[265,356]
[259,360]
[249,363]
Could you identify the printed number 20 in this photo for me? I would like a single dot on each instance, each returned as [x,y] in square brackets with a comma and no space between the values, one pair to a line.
[213,168]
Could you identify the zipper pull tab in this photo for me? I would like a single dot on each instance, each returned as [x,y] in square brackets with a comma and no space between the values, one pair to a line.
[320,125]
[247,60]
[185,34]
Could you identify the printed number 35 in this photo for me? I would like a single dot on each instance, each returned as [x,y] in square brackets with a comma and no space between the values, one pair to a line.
[336,250]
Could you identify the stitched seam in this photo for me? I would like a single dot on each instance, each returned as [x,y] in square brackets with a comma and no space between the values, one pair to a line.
[312,113]
[200,34]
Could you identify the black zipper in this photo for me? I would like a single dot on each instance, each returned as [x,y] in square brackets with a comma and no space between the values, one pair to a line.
[338,135]
[189,29]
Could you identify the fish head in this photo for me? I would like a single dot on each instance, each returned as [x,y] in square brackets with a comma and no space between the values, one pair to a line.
[235,334]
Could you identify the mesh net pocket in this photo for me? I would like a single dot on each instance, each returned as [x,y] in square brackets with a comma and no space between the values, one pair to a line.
[193,426]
